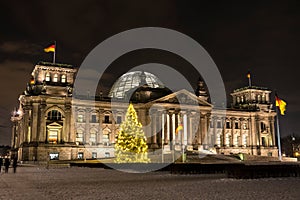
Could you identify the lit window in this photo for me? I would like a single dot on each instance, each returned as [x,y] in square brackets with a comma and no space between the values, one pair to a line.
[79,136]
[244,126]
[80,118]
[258,98]
[93,136]
[80,155]
[63,78]
[47,78]
[52,138]
[54,156]
[238,99]
[263,98]
[94,155]
[55,78]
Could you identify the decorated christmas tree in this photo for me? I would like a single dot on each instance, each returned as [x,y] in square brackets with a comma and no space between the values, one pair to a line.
[131,146]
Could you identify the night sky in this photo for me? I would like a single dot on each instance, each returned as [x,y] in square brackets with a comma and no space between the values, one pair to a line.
[262,37]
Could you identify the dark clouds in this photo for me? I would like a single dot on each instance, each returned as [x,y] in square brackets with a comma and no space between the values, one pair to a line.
[259,36]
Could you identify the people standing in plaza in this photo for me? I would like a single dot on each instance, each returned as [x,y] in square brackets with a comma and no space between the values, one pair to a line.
[6,164]
[15,164]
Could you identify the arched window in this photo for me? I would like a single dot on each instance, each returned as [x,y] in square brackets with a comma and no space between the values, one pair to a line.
[54,115]
[47,78]
[55,78]
[263,98]
[263,127]
[242,99]
[258,98]
[79,136]
[63,78]
[93,136]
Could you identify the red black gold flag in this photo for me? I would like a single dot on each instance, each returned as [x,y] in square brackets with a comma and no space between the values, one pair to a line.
[280,104]
[50,48]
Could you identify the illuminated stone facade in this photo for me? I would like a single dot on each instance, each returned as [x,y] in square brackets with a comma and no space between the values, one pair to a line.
[52,122]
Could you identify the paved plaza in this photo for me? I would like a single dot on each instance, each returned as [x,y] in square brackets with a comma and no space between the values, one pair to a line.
[97,183]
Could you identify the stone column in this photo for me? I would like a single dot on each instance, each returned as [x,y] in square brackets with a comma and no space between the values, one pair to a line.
[159,127]
[42,130]
[67,124]
[168,128]
[27,124]
[204,128]
[272,130]
[252,131]
[258,131]
[35,122]
[72,131]
[153,129]
[232,130]
[162,128]
[240,141]
[214,128]
[113,125]
[100,132]
[87,126]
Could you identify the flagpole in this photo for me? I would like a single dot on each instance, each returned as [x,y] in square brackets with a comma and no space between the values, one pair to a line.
[249,78]
[278,135]
[54,52]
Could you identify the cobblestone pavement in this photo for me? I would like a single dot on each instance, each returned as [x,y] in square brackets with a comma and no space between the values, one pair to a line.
[95,183]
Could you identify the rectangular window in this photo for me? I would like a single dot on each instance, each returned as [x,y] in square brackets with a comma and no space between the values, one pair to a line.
[80,155]
[227,124]
[80,118]
[107,154]
[94,119]
[52,136]
[219,125]
[119,119]
[263,141]
[236,125]
[54,156]
[106,119]
[94,155]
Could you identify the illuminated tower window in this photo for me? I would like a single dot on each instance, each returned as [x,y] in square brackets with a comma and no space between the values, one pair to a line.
[47,78]
[63,78]
[55,78]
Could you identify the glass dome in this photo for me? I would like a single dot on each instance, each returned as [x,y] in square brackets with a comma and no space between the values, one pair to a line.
[132,80]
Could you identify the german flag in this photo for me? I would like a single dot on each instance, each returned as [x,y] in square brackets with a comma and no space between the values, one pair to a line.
[50,48]
[280,104]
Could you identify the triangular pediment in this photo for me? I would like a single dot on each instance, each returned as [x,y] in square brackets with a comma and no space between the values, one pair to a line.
[182,97]
[54,125]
